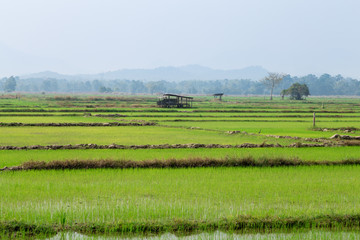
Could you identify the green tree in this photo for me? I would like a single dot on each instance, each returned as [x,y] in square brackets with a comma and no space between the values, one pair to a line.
[271,81]
[158,87]
[9,84]
[137,86]
[297,91]
[49,85]
[103,89]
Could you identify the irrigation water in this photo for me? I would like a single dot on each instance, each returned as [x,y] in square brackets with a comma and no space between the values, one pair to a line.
[218,235]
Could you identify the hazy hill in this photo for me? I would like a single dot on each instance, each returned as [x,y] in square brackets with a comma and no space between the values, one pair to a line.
[189,72]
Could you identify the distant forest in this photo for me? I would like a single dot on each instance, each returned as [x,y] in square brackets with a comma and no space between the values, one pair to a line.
[318,86]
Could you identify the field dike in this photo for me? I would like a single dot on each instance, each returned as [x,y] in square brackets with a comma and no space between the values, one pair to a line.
[157,110]
[337,142]
[174,163]
[79,124]
[216,116]
[240,224]
[159,146]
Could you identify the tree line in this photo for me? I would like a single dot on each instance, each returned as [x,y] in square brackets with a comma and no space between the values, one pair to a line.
[318,86]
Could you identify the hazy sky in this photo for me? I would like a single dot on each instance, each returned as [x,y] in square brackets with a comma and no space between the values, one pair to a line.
[91,36]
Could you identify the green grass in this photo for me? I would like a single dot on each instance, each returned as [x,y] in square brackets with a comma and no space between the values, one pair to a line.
[162,195]
[200,102]
[53,119]
[21,136]
[241,114]
[296,129]
[11,158]
[256,117]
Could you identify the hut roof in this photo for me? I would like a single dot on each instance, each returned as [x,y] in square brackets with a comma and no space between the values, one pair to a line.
[175,95]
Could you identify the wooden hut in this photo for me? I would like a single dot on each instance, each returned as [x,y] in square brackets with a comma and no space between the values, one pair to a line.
[218,95]
[173,100]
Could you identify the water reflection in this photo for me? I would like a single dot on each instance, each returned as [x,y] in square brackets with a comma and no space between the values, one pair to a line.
[219,235]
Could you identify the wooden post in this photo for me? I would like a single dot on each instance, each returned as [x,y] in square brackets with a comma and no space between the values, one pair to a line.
[314,119]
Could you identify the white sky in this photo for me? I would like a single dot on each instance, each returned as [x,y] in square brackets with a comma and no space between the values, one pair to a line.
[90,36]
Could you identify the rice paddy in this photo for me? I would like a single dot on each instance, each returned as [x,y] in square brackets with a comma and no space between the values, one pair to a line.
[163,195]
[15,157]
[247,200]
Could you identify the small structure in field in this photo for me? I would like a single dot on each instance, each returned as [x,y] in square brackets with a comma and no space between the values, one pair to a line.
[218,95]
[172,100]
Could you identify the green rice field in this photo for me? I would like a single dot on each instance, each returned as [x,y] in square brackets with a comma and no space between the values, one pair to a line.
[15,157]
[282,202]
[134,196]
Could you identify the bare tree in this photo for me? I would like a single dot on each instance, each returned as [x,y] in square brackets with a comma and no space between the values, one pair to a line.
[272,80]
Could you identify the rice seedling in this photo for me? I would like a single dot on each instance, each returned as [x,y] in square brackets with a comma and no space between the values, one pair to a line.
[23,136]
[315,195]
[185,190]
[15,157]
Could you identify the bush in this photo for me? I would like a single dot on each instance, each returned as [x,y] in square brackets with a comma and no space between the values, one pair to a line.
[296,91]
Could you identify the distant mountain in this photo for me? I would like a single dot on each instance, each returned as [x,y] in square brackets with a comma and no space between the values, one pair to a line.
[189,72]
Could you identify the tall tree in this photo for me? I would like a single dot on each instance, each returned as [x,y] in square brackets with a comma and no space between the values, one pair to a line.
[272,80]
[49,85]
[9,84]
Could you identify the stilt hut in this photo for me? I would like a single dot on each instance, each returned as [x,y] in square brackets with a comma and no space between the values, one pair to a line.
[173,100]
[218,95]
